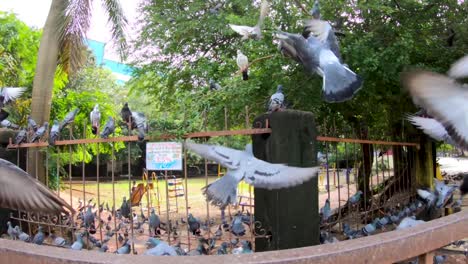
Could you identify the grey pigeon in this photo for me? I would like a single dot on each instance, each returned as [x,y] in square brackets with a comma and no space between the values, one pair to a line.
[242,165]
[89,217]
[443,97]
[440,259]
[125,208]
[125,113]
[54,133]
[214,86]
[325,211]
[243,64]
[95,117]
[315,12]
[32,124]
[444,193]
[194,224]
[214,10]
[276,102]
[69,118]
[327,238]
[125,249]
[154,221]
[103,248]
[432,128]
[369,229]
[222,250]
[253,32]
[355,198]
[40,132]
[78,244]
[246,248]
[160,248]
[21,235]
[200,250]
[9,94]
[408,222]
[58,241]
[317,56]
[109,128]
[428,196]
[237,227]
[351,233]
[8,124]
[179,250]
[20,191]
[21,137]
[12,232]
[139,122]
[39,236]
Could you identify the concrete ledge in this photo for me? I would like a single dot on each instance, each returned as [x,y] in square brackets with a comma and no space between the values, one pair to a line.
[386,247]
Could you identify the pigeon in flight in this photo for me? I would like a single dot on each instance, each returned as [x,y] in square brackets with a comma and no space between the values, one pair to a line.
[318,51]
[253,32]
[19,190]
[69,118]
[8,94]
[54,133]
[95,117]
[443,97]
[40,132]
[243,64]
[276,102]
[242,165]
[432,128]
[109,128]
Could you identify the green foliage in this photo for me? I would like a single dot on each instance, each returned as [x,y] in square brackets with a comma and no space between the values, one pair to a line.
[185,45]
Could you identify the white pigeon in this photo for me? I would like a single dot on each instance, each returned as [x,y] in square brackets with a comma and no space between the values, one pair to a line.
[432,128]
[95,117]
[253,32]
[243,64]
[276,102]
[427,196]
[409,222]
[242,165]
[444,98]
[9,94]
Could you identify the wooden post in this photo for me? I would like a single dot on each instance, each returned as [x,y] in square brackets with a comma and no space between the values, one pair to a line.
[289,217]
[425,164]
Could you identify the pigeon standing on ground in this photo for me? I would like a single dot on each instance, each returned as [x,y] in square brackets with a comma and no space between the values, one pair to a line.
[9,94]
[276,102]
[40,132]
[243,64]
[222,250]
[39,236]
[69,118]
[58,241]
[319,53]
[78,244]
[21,235]
[8,124]
[20,191]
[159,248]
[214,10]
[429,197]
[325,211]
[95,117]
[237,228]
[12,232]
[125,208]
[154,221]
[54,133]
[194,224]
[89,217]
[109,128]
[125,249]
[253,32]
[245,248]
[242,165]
[21,137]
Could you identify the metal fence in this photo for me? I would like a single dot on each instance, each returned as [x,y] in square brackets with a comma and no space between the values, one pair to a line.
[382,170]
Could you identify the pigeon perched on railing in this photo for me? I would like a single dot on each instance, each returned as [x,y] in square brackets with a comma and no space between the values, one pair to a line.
[12,232]
[8,124]
[95,117]
[69,118]
[40,132]
[21,136]
[319,53]
[444,193]
[9,94]
[243,64]
[253,32]
[18,190]
[242,165]
[276,102]
[39,237]
[21,235]
[126,114]
[32,126]
[109,128]
[54,133]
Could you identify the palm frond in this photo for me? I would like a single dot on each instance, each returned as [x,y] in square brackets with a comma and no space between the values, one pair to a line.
[118,22]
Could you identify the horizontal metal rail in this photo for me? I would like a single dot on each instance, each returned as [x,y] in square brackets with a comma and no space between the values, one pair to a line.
[388,247]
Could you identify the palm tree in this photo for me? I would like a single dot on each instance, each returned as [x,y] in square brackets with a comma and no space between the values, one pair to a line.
[62,43]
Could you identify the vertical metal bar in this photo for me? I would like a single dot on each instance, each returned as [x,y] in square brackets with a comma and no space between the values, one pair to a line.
[58,171]
[129,185]
[348,171]
[36,150]
[207,202]
[98,189]
[186,194]
[167,209]
[377,170]
[339,187]
[70,167]
[83,173]
[327,166]
[47,167]
[371,184]
[225,118]
[113,191]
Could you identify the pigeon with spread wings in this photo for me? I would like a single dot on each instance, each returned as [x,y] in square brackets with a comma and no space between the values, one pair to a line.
[8,94]
[242,165]
[253,32]
[18,190]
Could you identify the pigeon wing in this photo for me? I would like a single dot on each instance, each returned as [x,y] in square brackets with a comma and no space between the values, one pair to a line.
[460,68]
[18,190]
[242,30]
[430,126]
[227,157]
[445,99]
[11,93]
[275,176]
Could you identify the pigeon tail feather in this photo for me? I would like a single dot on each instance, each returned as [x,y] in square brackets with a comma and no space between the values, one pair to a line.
[245,75]
[94,130]
[339,83]
[222,192]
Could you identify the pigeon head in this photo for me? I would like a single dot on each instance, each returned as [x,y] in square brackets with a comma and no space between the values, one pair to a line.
[279,89]
[315,12]
[249,149]
[239,52]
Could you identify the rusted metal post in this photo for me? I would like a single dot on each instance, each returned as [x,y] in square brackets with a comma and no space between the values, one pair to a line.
[427,258]
[290,216]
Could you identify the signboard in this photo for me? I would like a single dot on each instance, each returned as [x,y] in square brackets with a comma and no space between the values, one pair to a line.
[164,156]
